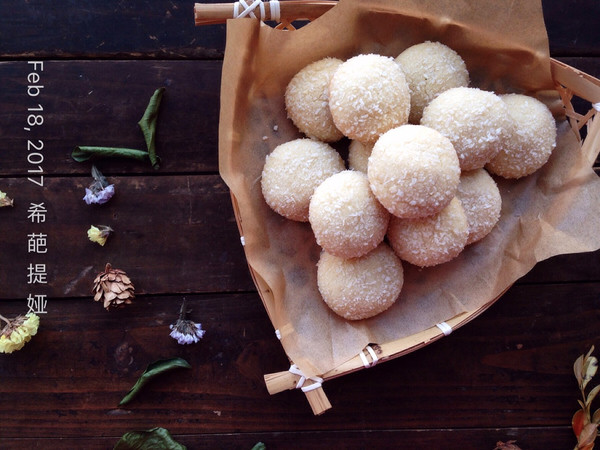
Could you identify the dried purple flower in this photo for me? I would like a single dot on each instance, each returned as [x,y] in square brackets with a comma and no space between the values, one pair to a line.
[99,191]
[186,331]
[101,196]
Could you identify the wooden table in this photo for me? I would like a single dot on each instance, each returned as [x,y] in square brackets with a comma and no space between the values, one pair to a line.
[505,376]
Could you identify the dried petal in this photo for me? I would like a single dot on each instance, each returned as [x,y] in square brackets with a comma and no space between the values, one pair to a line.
[578,370]
[596,416]
[578,422]
[590,367]
[592,395]
[588,435]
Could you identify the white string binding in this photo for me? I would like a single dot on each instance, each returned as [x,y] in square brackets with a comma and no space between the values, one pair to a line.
[243,240]
[275,11]
[248,9]
[596,106]
[278,334]
[317,381]
[364,359]
[446,329]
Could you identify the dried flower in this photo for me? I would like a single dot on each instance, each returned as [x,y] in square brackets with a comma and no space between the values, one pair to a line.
[584,423]
[99,191]
[113,287]
[99,234]
[18,332]
[5,200]
[186,331]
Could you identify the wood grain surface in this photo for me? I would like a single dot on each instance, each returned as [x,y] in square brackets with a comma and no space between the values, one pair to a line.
[505,376]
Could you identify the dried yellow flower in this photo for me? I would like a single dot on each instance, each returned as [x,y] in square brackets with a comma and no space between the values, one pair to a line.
[18,332]
[99,234]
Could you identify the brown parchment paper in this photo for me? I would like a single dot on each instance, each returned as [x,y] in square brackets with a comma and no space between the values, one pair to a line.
[505,47]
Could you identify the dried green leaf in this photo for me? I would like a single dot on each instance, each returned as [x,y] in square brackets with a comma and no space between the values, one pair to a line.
[259,446]
[153,370]
[84,153]
[148,125]
[590,367]
[153,439]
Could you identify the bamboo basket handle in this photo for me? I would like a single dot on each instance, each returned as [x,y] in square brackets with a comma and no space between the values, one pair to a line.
[286,380]
[215,13]
[569,82]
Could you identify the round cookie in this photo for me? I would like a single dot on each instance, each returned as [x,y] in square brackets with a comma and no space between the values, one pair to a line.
[432,240]
[481,201]
[359,288]
[476,121]
[531,144]
[430,69]
[413,171]
[358,155]
[307,100]
[345,216]
[291,173]
[368,96]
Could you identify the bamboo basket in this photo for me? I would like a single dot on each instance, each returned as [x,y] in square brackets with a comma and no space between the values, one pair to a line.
[569,83]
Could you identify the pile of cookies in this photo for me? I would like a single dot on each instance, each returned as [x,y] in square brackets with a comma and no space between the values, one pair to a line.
[418,188]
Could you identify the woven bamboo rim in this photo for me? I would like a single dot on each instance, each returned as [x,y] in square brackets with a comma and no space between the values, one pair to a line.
[569,82]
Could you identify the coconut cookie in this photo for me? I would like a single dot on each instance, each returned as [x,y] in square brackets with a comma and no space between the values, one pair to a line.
[476,121]
[532,141]
[345,216]
[430,68]
[358,156]
[291,173]
[413,171]
[307,100]
[359,288]
[368,96]
[480,198]
[431,240]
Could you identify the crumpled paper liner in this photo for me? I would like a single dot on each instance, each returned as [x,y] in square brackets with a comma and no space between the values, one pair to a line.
[505,47]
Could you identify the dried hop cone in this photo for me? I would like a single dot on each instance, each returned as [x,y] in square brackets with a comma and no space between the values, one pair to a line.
[113,287]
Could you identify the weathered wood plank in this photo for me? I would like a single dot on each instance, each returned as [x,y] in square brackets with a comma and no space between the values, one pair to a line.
[572,27]
[448,439]
[165,29]
[512,367]
[114,29]
[172,234]
[99,103]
